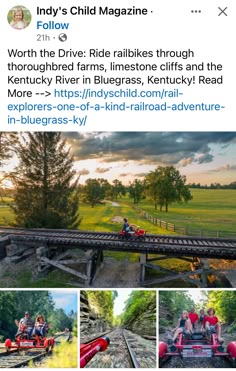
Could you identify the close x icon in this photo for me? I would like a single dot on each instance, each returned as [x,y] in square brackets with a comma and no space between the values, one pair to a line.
[223,11]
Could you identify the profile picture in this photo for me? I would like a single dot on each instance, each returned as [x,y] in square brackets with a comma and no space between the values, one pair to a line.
[19,17]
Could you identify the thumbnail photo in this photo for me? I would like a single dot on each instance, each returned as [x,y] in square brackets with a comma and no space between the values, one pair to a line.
[118,209]
[19,17]
[38,329]
[197,329]
[118,329]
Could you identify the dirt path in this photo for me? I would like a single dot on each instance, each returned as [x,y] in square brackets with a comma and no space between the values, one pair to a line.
[112,203]
[118,274]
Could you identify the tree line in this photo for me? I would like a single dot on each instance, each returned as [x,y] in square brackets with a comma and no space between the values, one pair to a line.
[224,303]
[216,185]
[172,303]
[163,186]
[14,304]
[47,190]
[103,303]
[138,303]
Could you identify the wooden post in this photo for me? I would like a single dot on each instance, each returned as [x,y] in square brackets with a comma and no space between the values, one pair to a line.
[102,256]
[41,252]
[89,266]
[100,260]
[142,260]
[205,267]
[64,268]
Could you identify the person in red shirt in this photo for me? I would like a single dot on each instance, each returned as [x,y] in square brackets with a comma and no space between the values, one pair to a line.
[212,324]
[193,316]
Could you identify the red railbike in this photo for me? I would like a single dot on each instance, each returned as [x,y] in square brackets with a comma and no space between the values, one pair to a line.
[24,341]
[89,350]
[198,346]
[134,232]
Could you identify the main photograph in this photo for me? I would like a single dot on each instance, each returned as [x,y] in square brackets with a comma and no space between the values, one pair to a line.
[118,209]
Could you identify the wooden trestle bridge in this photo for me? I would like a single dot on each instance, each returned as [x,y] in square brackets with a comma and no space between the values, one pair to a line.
[65,248]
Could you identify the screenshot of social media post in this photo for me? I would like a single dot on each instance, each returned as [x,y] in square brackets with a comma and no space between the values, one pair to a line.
[123,66]
[117,184]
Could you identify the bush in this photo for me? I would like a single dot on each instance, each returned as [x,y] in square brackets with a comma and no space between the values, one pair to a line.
[64,356]
[231,328]
[164,322]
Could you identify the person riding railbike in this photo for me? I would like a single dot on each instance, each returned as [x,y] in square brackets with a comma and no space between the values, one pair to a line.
[126,227]
[25,325]
[202,316]
[212,324]
[40,326]
[184,326]
[193,316]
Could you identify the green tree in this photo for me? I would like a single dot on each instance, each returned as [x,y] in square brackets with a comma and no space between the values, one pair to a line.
[46,189]
[166,185]
[8,147]
[224,303]
[153,186]
[138,303]
[118,189]
[93,191]
[232,185]
[106,187]
[35,302]
[59,320]
[7,313]
[175,302]
[136,190]
[103,302]
[8,144]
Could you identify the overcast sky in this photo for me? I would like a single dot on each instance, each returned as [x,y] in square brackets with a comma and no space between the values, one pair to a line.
[204,157]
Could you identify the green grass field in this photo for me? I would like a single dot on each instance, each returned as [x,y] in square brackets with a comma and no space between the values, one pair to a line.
[6,216]
[213,210]
[100,217]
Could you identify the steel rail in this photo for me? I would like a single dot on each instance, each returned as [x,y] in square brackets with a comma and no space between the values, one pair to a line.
[9,360]
[155,244]
[134,361]
[13,361]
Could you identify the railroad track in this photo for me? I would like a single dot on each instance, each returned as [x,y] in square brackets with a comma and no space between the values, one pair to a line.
[141,351]
[126,350]
[62,337]
[154,244]
[214,362]
[16,359]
